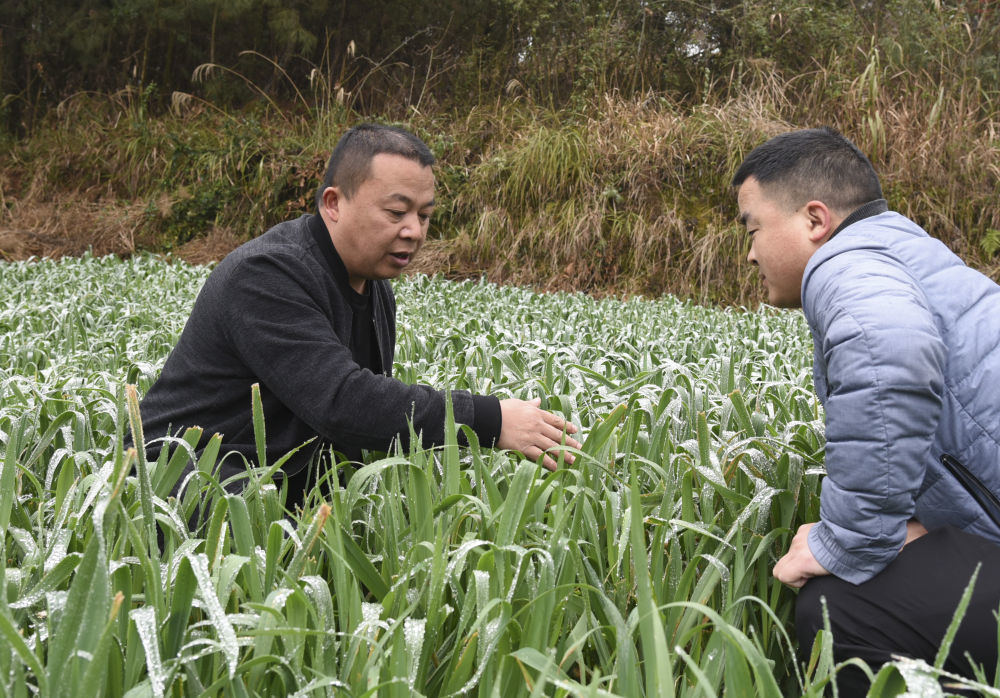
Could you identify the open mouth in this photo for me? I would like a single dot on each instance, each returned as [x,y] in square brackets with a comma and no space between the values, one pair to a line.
[401,257]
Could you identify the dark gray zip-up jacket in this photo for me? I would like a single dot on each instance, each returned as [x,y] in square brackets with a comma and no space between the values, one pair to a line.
[274,312]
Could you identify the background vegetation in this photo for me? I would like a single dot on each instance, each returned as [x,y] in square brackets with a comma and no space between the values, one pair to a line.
[582,145]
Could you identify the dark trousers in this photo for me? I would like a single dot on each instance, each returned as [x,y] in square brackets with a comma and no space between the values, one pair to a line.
[906,608]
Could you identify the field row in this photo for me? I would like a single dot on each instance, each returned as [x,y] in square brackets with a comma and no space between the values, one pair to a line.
[643,569]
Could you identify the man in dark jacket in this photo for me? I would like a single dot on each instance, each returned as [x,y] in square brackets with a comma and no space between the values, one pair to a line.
[907,367]
[307,312]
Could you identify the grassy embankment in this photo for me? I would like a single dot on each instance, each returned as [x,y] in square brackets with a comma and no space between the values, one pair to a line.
[619,195]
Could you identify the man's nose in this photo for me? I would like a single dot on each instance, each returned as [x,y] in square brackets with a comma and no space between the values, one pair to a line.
[412,226]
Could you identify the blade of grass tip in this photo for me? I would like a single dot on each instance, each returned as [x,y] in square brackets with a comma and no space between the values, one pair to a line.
[741,654]
[358,563]
[395,669]
[888,682]
[742,413]
[421,503]
[242,530]
[259,435]
[65,480]
[217,615]
[216,533]
[956,620]
[93,679]
[273,553]
[451,460]
[704,442]
[701,678]
[43,441]
[626,661]
[294,569]
[145,484]
[827,665]
[182,590]
[144,619]
[9,470]
[599,435]
[50,581]
[435,602]
[164,480]
[659,677]
[85,611]
[514,505]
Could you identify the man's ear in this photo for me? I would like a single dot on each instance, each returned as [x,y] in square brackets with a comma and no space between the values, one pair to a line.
[821,221]
[331,198]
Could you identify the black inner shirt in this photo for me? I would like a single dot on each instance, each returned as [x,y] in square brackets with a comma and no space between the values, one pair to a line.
[363,343]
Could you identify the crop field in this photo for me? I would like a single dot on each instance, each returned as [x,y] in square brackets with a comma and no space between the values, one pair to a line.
[643,569]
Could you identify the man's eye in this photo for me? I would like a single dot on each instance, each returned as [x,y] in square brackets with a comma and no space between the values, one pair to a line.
[751,232]
[424,217]
[395,214]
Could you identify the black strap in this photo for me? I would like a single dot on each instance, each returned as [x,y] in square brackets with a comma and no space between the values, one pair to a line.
[980,492]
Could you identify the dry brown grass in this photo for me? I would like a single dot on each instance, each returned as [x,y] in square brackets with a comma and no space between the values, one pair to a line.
[57,228]
[72,228]
[625,196]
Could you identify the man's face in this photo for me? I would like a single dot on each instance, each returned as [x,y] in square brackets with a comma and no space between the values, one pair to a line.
[380,229]
[781,242]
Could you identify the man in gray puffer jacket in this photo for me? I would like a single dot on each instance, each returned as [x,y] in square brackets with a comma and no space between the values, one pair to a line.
[907,366]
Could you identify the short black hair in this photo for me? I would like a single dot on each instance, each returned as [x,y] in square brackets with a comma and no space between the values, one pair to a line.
[812,164]
[351,161]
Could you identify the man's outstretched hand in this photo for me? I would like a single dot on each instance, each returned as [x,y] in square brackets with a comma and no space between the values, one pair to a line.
[798,565]
[528,428]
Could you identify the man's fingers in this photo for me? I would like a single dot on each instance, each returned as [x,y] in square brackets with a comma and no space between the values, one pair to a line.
[553,433]
[558,429]
[559,423]
[547,461]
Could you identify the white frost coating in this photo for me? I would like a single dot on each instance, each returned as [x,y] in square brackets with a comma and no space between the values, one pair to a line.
[97,485]
[761,501]
[145,625]
[458,557]
[23,539]
[922,680]
[279,597]
[413,635]
[489,636]
[370,620]
[482,579]
[371,612]
[318,592]
[227,636]
[56,601]
[58,552]
[719,565]
[310,688]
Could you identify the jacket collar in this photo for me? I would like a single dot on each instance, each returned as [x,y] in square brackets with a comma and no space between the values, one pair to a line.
[872,208]
[321,235]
